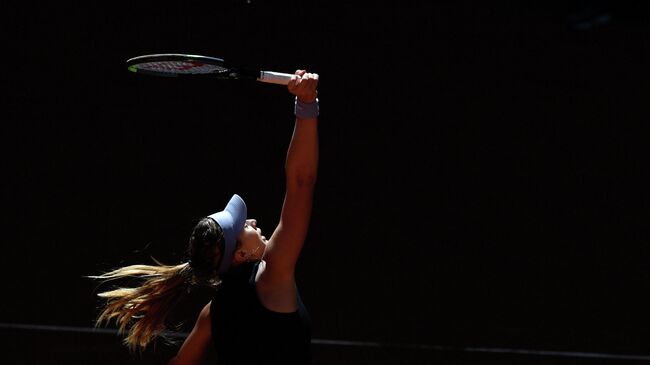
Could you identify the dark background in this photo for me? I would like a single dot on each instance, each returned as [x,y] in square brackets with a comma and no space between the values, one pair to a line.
[483,177]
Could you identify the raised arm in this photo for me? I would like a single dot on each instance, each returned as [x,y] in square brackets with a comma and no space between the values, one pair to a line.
[301,168]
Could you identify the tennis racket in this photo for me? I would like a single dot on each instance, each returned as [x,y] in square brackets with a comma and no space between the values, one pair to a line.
[175,64]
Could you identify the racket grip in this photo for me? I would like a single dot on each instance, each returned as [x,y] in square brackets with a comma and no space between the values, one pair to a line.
[275,77]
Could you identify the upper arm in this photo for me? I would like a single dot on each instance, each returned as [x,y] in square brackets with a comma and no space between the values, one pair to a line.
[288,238]
[195,346]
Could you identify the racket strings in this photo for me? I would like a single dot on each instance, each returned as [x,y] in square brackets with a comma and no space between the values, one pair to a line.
[181,67]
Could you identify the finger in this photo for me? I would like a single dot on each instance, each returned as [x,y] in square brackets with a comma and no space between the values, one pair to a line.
[308,83]
[294,81]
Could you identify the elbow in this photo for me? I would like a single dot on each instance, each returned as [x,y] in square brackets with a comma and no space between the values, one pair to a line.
[302,180]
[307,181]
[301,175]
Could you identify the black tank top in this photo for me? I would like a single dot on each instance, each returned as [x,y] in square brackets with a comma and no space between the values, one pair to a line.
[244,331]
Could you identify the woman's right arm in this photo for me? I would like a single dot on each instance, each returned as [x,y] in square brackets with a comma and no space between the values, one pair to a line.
[196,345]
[301,170]
[275,282]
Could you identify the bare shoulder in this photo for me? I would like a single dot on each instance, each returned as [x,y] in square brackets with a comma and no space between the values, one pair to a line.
[204,322]
[206,310]
[197,344]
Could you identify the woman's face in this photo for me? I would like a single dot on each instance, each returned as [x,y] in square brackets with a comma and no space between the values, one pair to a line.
[251,242]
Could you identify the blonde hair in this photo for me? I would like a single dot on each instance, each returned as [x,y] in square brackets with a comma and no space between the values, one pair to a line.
[144,309]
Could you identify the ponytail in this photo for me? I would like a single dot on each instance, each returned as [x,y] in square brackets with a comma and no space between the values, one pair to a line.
[144,309]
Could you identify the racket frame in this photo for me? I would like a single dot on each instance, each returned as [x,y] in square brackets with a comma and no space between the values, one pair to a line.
[221,70]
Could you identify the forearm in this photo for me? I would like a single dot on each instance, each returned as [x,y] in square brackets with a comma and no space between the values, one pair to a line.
[301,166]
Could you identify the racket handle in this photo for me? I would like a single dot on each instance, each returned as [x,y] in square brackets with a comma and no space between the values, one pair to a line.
[275,77]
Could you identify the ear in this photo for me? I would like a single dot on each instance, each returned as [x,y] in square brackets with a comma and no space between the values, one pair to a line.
[240,256]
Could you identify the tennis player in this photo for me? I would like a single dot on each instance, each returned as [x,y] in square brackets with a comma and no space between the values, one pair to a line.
[256,315]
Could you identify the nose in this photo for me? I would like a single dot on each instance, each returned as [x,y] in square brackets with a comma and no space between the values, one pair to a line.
[252,222]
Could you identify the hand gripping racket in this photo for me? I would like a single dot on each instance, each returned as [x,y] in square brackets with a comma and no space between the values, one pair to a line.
[175,64]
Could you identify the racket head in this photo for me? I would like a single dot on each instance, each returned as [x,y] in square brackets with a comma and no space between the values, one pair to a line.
[177,64]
